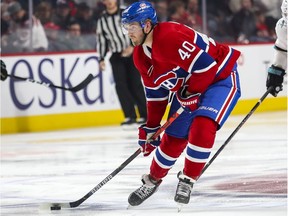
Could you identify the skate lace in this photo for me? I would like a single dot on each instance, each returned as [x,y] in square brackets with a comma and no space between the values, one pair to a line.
[144,191]
[183,188]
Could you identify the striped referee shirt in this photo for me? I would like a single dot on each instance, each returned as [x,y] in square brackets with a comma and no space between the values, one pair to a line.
[109,34]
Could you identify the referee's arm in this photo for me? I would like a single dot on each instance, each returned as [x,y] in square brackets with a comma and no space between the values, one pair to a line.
[102,42]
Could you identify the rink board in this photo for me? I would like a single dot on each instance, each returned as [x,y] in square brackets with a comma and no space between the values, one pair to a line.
[28,107]
[112,117]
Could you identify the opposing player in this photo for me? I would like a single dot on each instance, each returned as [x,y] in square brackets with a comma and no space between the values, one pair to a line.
[195,72]
[3,71]
[277,70]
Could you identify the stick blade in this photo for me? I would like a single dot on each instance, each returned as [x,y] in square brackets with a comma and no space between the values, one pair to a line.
[83,84]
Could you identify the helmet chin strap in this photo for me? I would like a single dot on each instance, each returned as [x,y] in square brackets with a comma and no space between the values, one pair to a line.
[145,35]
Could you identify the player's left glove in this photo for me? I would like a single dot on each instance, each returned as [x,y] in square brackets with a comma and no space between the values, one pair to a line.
[189,102]
[3,71]
[145,141]
[275,79]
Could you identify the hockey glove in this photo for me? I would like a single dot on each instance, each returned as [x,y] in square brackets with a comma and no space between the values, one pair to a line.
[3,71]
[190,102]
[145,141]
[275,79]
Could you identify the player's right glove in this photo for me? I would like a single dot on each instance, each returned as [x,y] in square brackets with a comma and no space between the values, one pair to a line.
[275,79]
[3,71]
[145,141]
[190,102]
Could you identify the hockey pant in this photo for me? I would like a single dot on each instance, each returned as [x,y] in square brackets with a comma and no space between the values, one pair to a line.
[196,130]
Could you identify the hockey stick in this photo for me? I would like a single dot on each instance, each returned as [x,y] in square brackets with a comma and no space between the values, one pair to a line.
[58,206]
[236,130]
[80,86]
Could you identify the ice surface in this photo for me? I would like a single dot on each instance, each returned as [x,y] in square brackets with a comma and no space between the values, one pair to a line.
[249,177]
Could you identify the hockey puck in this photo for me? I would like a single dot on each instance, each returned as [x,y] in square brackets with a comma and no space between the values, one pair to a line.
[55,208]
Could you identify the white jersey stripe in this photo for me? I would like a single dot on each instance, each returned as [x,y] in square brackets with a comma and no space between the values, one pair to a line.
[157,99]
[225,60]
[228,100]
[194,60]
[205,69]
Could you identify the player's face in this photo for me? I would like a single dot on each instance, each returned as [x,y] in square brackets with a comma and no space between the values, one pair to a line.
[135,33]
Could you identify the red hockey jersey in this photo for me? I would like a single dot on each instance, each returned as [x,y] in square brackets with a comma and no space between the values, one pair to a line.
[180,55]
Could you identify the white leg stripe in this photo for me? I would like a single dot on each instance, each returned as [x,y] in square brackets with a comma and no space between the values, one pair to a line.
[197,154]
[197,148]
[167,157]
[164,160]
[162,165]
[196,160]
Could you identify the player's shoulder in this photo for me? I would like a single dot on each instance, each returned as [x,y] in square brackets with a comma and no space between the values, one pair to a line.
[167,29]
[167,32]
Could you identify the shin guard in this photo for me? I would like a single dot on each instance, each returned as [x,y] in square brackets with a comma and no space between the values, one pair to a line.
[200,142]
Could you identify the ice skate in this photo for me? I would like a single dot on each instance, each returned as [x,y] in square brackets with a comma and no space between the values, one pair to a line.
[148,188]
[129,124]
[183,190]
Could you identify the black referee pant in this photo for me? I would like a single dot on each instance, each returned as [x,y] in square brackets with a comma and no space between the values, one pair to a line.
[129,86]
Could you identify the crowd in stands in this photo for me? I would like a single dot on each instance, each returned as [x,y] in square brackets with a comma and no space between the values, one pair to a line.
[67,25]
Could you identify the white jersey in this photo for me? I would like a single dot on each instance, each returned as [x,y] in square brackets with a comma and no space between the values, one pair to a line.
[280,57]
[22,31]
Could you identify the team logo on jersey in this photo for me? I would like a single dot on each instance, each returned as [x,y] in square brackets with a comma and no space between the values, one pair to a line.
[170,81]
[143,6]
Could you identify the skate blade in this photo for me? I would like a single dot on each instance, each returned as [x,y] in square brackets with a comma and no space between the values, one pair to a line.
[179,207]
[130,207]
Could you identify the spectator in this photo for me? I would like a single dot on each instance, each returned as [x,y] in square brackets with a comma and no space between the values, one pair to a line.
[270,8]
[21,28]
[73,39]
[90,3]
[219,16]
[43,12]
[55,43]
[234,5]
[161,7]
[84,17]
[193,9]
[8,39]
[178,13]
[62,15]
[271,11]
[243,23]
[263,33]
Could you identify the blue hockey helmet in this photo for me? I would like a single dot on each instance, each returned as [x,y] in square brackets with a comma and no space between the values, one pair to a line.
[139,12]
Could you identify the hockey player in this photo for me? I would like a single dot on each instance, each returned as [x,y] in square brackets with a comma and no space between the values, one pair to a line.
[200,75]
[277,70]
[3,71]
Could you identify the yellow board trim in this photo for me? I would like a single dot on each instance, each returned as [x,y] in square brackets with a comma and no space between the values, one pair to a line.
[60,121]
[110,117]
[269,104]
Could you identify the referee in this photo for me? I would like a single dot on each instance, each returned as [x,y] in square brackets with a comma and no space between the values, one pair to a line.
[129,87]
